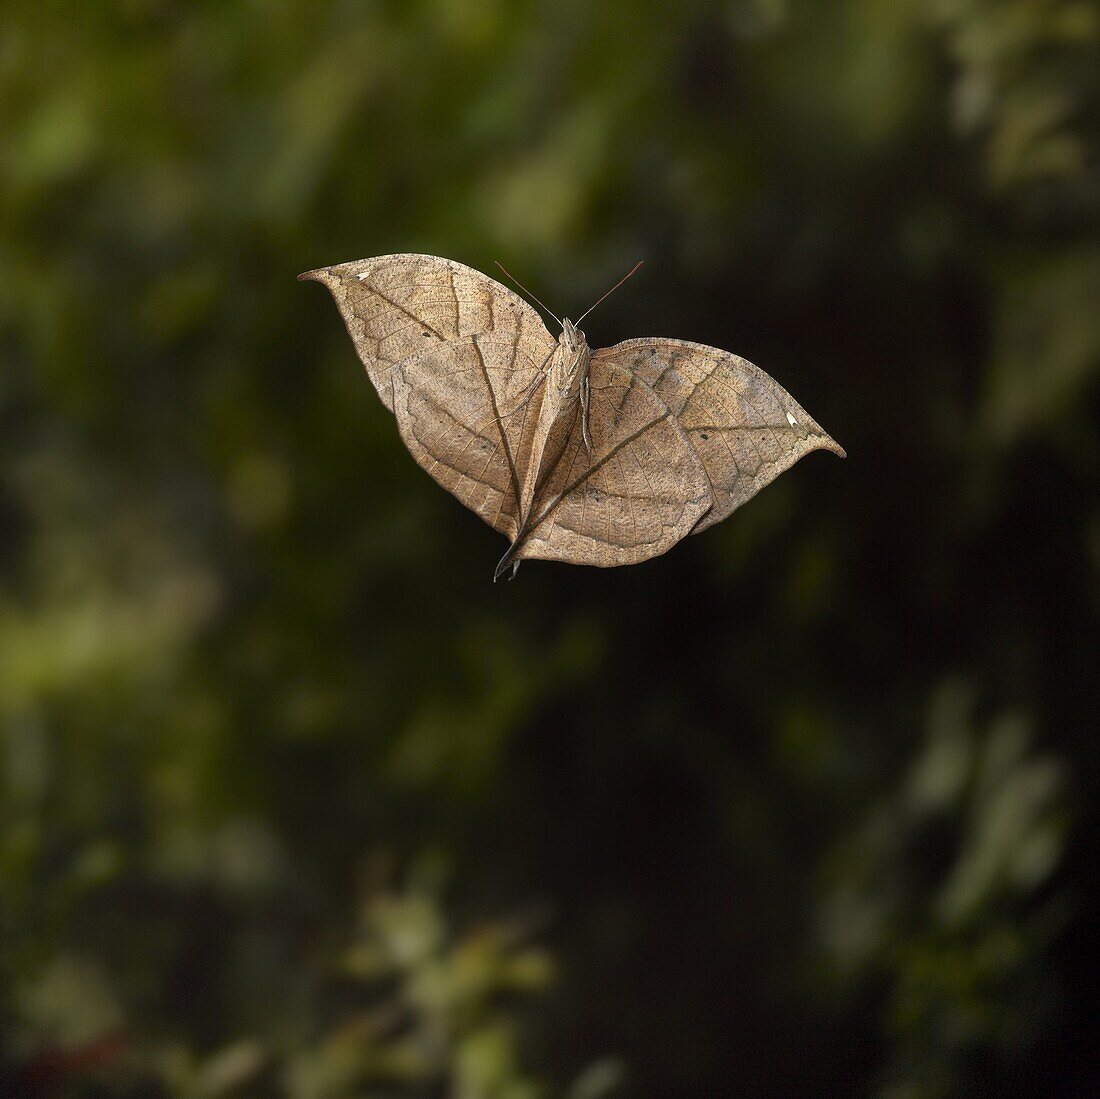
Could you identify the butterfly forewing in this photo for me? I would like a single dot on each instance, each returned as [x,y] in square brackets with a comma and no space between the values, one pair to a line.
[396,306]
[745,427]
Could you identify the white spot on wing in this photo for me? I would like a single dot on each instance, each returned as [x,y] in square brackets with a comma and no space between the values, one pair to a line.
[791,420]
[362,275]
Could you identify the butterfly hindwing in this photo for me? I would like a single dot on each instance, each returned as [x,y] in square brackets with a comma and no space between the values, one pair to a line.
[466,410]
[639,491]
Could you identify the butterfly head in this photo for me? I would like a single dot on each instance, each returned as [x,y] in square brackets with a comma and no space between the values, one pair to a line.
[572,338]
[572,359]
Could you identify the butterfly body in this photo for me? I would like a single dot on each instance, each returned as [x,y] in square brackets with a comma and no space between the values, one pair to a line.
[603,457]
[561,403]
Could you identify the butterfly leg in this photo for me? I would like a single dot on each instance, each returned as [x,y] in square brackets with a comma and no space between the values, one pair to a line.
[585,393]
[529,392]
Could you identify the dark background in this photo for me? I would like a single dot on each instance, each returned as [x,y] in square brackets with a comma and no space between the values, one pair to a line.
[295,802]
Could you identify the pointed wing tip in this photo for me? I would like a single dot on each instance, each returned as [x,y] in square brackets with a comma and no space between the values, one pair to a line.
[826,442]
[508,561]
[311,276]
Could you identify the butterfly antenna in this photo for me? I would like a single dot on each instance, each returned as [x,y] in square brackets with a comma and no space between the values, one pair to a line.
[610,292]
[525,290]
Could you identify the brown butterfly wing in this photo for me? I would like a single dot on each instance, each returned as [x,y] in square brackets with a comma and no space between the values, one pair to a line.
[636,495]
[467,410]
[398,306]
[745,427]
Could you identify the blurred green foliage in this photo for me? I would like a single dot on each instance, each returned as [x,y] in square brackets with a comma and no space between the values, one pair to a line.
[294,802]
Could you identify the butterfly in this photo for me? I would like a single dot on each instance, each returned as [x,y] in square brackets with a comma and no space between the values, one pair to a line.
[595,457]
